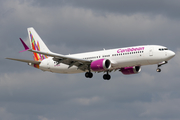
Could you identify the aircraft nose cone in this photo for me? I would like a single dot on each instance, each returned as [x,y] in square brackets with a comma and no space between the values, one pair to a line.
[172,54]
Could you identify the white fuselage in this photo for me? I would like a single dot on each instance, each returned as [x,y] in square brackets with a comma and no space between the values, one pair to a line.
[120,58]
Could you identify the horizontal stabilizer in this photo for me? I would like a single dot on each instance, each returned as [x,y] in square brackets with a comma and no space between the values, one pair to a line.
[26,61]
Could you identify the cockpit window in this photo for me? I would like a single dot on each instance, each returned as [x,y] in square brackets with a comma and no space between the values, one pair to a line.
[162,49]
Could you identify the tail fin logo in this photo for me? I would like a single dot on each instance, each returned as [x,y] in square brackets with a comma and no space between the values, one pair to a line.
[36,46]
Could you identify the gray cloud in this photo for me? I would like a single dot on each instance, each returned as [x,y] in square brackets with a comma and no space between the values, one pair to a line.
[165,7]
[79,26]
[89,27]
[57,96]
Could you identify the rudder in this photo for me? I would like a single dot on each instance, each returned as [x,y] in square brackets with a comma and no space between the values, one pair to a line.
[37,44]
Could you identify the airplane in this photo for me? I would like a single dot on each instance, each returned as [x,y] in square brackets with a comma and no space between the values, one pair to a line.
[127,60]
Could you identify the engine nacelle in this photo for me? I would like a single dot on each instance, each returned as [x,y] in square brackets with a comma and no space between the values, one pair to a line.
[100,65]
[131,70]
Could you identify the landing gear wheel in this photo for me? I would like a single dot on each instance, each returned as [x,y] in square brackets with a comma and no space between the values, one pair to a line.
[88,75]
[158,70]
[106,77]
[160,64]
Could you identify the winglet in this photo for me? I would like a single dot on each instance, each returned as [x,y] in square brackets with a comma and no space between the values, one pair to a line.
[25,46]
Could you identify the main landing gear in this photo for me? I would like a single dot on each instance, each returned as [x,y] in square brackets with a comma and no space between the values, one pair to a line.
[160,64]
[88,75]
[105,76]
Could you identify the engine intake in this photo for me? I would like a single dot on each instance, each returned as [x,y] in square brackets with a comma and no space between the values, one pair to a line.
[131,70]
[100,65]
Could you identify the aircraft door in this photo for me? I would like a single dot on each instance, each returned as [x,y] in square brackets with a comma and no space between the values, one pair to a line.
[165,53]
[151,51]
[48,64]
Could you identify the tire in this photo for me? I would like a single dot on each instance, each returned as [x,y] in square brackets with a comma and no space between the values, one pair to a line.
[90,75]
[158,70]
[87,74]
[106,77]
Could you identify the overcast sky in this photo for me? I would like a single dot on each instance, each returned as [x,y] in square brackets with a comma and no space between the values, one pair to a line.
[74,26]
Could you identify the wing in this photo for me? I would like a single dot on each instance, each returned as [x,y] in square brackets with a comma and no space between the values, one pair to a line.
[81,64]
[26,61]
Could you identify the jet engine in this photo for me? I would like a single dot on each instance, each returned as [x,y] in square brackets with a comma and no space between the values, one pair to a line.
[100,65]
[131,70]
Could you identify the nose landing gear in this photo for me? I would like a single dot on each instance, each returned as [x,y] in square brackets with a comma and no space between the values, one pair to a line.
[160,64]
[158,70]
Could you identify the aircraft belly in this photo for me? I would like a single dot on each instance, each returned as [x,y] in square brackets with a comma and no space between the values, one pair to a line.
[51,66]
[63,68]
[127,62]
[124,62]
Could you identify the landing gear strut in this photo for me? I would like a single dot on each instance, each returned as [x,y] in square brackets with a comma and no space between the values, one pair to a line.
[160,64]
[89,74]
[106,76]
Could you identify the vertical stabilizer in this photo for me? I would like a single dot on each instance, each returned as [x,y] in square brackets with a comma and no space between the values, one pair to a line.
[37,44]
